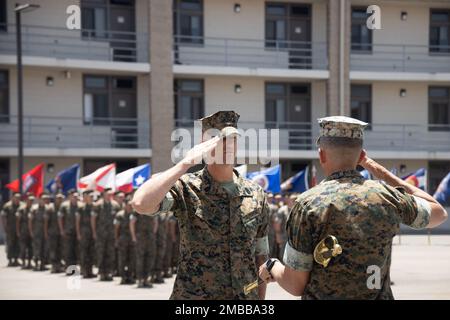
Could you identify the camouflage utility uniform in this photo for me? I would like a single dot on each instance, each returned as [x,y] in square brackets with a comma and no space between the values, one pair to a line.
[54,238]
[70,246]
[125,246]
[364,215]
[222,228]
[105,212]
[37,218]
[12,242]
[161,248]
[87,243]
[145,245]
[26,247]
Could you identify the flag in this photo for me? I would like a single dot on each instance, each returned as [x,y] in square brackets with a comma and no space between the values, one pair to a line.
[242,170]
[65,180]
[32,181]
[442,193]
[268,179]
[132,178]
[297,183]
[366,174]
[100,179]
[417,179]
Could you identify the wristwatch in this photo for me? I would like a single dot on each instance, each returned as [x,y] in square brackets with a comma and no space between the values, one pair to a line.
[269,265]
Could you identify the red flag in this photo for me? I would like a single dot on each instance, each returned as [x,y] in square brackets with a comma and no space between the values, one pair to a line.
[32,181]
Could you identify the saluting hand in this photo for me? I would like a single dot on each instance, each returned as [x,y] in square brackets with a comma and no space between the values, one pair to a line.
[198,152]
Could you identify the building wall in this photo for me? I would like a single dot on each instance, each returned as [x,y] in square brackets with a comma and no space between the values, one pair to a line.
[389,108]
[51,13]
[250,102]
[413,31]
[250,22]
[65,97]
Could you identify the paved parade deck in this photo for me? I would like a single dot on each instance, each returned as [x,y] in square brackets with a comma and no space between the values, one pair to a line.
[419,270]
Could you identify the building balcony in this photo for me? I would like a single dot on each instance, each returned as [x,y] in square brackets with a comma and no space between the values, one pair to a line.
[250,53]
[62,43]
[400,58]
[298,139]
[124,135]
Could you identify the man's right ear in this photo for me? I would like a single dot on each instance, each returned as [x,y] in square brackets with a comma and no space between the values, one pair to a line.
[362,155]
[322,156]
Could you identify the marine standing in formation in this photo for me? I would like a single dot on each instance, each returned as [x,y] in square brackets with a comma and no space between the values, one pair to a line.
[25,244]
[342,228]
[102,223]
[53,236]
[143,233]
[9,224]
[36,220]
[67,229]
[223,218]
[84,234]
[124,244]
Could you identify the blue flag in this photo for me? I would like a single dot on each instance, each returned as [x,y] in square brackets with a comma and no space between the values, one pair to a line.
[442,193]
[65,180]
[366,174]
[268,179]
[297,183]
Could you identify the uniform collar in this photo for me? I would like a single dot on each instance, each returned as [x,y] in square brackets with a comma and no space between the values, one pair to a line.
[344,174]
[210,186]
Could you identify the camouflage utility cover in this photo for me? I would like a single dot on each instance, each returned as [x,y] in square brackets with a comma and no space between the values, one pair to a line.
[220,120]
[220,235]
[364,215]
[341,127]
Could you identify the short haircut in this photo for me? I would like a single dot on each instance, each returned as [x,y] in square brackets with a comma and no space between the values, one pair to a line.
[340,142]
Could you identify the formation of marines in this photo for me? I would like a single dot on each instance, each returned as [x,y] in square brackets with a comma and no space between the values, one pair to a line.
[82,232]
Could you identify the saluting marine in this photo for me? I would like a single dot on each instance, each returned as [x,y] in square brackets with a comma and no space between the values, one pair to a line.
[223,218]
[344,226]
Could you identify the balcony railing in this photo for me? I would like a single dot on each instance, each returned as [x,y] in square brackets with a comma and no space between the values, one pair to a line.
[62,43]
[251,53]
[380,137]
[75,132]
[400,58]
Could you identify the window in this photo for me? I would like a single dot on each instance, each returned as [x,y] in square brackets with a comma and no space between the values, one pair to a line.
[439,108]
[189,102]
[276,25]
[106,97]
[439,31]
[276,102]
[3,16]
[94,18]
[361,35]
[188,21]
[361,102]
[4,96]
[99,16]
[287,102]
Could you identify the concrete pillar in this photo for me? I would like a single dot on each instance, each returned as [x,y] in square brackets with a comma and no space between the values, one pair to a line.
[335,36]
[161,83]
